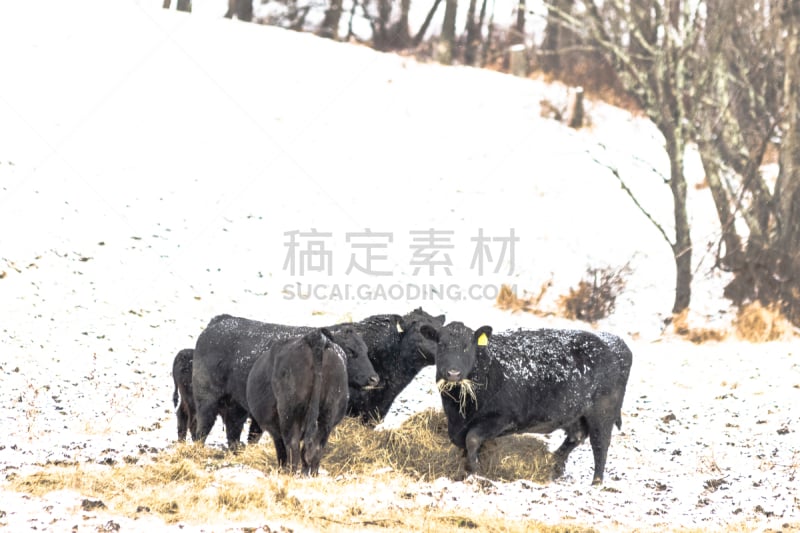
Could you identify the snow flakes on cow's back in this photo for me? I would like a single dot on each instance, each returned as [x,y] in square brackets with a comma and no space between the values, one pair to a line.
[339,352]
[545,354]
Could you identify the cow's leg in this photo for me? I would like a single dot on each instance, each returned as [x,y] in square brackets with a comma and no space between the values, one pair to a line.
[600,438]
[291,439]
[183,421]
[234,417]
[206,416]
[254,433]
[280,447]
[312,453]
[476,436]
[192,420]
[576,434]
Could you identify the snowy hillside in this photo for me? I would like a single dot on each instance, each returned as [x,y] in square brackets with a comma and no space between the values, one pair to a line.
[155,166]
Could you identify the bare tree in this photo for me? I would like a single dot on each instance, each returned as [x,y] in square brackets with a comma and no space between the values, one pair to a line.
[754,101]
[447,40]
[473,34]
[518,32]
[554,39]
[658,74]
[426,23]
[707,71]
[330,24]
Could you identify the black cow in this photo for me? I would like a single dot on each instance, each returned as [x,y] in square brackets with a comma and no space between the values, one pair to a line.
[182,376]
[186,414]
[297,391]
[225,353]
[532,381]
[397,347]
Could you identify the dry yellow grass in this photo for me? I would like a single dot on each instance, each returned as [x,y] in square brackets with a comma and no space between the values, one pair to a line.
[756,323]
[371,483]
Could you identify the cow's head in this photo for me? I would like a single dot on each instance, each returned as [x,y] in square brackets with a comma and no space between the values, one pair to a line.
[457,351]
[360,373]
[419,340]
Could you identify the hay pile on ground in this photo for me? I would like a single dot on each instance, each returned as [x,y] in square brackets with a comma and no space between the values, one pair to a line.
[197,484]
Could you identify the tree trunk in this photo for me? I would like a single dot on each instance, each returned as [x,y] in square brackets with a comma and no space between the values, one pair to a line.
[399,33]
[549,46]
[381,39]
[682,246]
[426,23]
[789,159]
[185,5]
[330,24]
[787,188]
[473,34]
[447,40]
[518,33]
[554,34]
[487,43]
[244,10]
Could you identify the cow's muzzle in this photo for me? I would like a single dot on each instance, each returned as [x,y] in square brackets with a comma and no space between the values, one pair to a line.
[373,383]
[453,375]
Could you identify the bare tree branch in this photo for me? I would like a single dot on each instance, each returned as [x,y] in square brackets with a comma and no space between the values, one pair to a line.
[615,172]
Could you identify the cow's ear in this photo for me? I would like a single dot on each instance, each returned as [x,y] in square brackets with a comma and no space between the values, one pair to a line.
[440,319]
[429,332]
[482,335]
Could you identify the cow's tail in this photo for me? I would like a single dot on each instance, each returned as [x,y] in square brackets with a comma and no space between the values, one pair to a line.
[175,396]
[318,341]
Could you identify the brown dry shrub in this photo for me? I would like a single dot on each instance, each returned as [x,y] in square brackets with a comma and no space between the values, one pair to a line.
[596,294]
[756,323]
[508,300]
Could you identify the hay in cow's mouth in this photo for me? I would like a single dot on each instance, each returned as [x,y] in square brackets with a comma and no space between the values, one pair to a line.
[466,388]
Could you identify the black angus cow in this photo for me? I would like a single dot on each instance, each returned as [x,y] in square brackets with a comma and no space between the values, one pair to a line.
[532,381]
[225,353]
[297,392]
[182,376]
[398,347]
[183,399]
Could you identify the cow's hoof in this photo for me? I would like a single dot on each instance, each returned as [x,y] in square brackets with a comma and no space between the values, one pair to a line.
[596,482]
[558,470]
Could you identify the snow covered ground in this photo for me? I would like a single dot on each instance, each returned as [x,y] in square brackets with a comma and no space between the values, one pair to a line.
[154,167]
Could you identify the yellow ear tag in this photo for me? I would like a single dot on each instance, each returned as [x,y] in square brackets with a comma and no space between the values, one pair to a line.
[483,340]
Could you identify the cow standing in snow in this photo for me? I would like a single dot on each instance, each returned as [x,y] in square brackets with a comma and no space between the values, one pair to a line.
[398,347]
[182,376]
[297,392]
[532,381]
